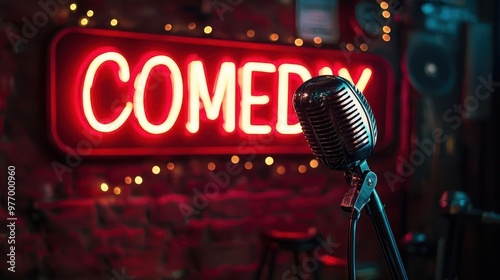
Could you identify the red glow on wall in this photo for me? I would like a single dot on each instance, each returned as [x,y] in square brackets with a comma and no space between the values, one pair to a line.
[117,93]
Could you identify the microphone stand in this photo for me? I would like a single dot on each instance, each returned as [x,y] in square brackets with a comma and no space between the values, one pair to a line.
[457,207]
[361,193]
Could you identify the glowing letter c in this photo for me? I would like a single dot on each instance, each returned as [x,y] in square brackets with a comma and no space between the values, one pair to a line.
[123,74]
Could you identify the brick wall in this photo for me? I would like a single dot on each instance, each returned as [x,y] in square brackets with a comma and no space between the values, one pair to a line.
[171,226]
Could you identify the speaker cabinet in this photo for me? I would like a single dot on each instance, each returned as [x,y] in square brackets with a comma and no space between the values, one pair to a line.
[431,63]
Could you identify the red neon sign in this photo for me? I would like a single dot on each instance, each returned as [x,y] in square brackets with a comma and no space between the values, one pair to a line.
[139,94]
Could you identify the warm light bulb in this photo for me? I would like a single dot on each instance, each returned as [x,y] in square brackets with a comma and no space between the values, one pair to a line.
[299,42]
[248,165]
[113,22]
[90,13]
[235,159]
[280,170]
[128,180]
[207,29]
[211,166]
[191,25]
[349,47]
[269,160]
[317,40]
[313,163]
[386,14]
[274,37]
[138,180]
[170,166]
[302,168]
[384,5]
[386,37]
[363,47]
[117,190]
[155,169]
[250,33]
[73,7]
[84,21]
[168,27]
[386,29]
[104,187]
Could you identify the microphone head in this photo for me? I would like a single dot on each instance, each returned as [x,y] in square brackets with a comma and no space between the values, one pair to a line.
[337,121]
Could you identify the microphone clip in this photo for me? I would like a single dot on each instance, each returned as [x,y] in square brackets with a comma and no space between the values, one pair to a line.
[362,182]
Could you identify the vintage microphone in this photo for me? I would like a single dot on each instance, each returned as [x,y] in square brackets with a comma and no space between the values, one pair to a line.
[340,128]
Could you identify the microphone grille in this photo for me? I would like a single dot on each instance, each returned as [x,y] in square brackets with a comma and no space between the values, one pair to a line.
[337,121]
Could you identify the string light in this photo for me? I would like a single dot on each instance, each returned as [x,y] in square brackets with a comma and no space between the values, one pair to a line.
[104,187]
[155,169]
[298,42]
[191,25]
[250,33]
[386,14]
[170,166]
[386,29]
[349,47]
[363,47]
[72,7]
[117,190]
[313,163]
[168,27]
[269,160]
[128,180]
[384,5]
[302,168]
[138,180]
[113,22]
[317,40]
[386,37]
[248,165]
[90,13]
[274,37]
[207,29]
[211,166]
[280,170]
[235,159]
[84,21]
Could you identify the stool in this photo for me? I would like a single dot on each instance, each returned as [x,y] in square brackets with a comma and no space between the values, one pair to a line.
[296,242]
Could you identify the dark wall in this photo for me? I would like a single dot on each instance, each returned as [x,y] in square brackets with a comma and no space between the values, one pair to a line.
[466,160]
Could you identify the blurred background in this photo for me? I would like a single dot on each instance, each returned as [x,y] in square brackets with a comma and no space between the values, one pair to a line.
[150,216]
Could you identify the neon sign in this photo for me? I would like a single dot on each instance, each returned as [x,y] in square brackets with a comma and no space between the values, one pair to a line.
[150,95]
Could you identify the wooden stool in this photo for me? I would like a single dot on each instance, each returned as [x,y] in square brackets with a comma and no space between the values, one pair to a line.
[273,241]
